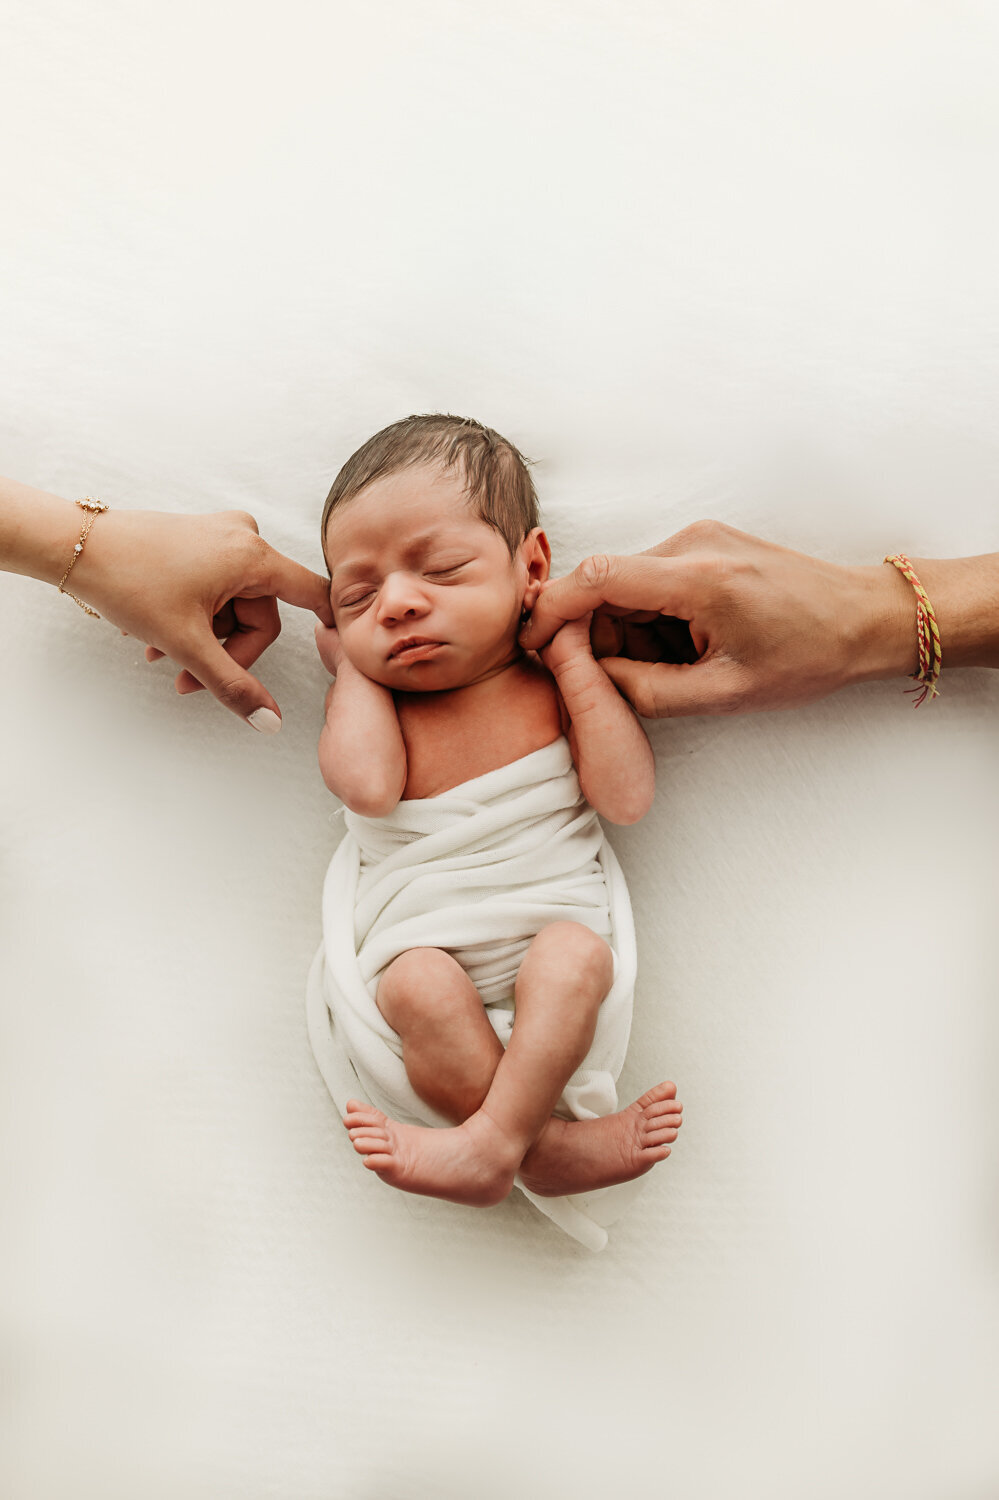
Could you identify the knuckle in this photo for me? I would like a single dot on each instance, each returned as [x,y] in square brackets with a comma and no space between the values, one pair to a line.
[704,532]
[649,703]
[243,518]
[232,694]
[253,545]
[594,572]
[644,701]
[249,555]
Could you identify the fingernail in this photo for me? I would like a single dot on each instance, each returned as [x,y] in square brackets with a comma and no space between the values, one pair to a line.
[265,720]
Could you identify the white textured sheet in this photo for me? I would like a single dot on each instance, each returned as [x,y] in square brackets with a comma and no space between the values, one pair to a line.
[732,259]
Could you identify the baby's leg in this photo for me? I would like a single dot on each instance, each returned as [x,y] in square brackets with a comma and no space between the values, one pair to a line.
[453,1058]
[563,979]
[448,1046]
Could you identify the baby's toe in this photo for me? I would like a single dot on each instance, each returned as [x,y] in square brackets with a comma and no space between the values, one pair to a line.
[365,1144]
[363,1115]
[378,1161]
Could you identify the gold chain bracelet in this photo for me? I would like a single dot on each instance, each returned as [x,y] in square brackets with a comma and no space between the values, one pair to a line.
[93,508]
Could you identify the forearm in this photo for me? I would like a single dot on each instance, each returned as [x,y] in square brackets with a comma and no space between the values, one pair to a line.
[37,531]
[611,750]
[362,754]
[964,592]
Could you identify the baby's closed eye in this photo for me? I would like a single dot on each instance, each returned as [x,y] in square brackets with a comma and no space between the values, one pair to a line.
[351,601]
[361,595]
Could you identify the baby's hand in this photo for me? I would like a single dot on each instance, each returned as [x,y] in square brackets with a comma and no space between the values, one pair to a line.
[568,643]
[330,650]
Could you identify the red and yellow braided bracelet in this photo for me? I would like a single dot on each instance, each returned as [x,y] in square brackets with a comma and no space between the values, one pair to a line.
[927,634]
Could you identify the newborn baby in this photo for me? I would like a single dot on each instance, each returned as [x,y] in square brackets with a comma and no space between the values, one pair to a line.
[478,965]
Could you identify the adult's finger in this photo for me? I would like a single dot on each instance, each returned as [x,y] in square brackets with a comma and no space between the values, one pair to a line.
[658,690]
[666,585]
[212,665]
[254,625]
[224,624]
[296,584]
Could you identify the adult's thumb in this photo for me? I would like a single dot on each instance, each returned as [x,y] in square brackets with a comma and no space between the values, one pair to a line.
[661,690]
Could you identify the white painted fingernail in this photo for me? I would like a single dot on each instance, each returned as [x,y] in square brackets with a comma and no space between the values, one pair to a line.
[265,720]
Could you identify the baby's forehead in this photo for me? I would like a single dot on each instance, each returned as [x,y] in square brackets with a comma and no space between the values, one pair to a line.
[376,532]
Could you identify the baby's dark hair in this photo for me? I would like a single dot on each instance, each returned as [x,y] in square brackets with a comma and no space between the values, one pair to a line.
[497,480]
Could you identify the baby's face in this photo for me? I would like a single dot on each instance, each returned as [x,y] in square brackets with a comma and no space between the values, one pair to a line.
[425,594]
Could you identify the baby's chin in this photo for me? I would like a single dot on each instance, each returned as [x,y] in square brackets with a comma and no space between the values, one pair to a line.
[441,673]
[428,676]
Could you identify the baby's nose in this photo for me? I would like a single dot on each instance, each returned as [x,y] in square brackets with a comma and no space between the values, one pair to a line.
[401,596]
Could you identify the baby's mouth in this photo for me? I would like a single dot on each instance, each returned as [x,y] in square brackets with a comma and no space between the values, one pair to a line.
[413,648]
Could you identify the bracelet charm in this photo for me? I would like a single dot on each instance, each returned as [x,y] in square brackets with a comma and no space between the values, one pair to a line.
[93,509]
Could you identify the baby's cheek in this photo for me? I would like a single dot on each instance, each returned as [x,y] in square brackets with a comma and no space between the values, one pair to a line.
[352,646]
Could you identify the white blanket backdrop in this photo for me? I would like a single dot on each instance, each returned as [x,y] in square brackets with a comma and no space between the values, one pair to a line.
[731,259]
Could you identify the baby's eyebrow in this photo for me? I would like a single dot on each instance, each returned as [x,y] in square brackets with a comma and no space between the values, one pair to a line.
[417,546]
[346,571]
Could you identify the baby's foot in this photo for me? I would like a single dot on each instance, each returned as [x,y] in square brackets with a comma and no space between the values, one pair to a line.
[577,1156]
[471,1163]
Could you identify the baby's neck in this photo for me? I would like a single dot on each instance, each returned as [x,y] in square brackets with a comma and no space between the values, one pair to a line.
[456,734]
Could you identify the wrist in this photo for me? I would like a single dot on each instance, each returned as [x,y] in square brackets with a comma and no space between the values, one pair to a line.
[37,531]
[90,571]
[358,685]
[964,592]
[879,624]
[881,615]
[345,671]
[585,688]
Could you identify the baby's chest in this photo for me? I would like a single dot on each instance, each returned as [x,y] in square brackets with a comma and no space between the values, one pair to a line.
[453,737]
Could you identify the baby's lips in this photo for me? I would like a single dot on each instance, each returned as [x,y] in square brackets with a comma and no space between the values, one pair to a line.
[403,649]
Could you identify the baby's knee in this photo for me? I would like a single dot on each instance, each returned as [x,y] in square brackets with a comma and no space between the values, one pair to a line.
[581,954]
[413,983]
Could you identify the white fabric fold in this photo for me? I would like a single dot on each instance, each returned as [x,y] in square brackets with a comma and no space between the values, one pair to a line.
[478,871]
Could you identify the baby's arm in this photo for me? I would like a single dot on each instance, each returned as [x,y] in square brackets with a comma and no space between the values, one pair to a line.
[609,746]
[362,754]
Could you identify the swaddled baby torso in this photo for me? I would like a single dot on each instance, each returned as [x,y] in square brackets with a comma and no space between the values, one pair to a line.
[479,869]
[456,739]
[475,865]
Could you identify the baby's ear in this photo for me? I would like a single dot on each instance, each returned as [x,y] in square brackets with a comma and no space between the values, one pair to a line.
[537,557]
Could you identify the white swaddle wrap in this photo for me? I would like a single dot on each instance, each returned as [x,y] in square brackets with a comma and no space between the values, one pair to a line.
[477,870]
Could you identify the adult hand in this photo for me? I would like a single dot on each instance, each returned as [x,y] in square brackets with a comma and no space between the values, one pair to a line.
[202,590]
[716,621]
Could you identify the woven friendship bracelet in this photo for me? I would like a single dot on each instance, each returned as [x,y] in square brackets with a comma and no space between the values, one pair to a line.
[927,634]
[93,508]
